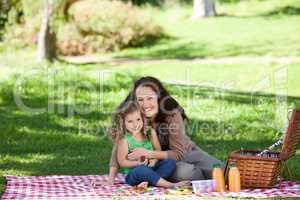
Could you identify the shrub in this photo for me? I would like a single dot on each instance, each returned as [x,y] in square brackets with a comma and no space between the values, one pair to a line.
[118,25]
[10,13]
[70,41]
[107,26]
[23,31]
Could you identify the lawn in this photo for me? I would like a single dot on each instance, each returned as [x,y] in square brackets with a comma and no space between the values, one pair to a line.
[69,136]
[249,28]
[61,127]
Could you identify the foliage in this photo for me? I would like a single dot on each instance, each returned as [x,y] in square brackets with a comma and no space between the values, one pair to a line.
[117,26]
[24,33]
[87,30]
[11,12]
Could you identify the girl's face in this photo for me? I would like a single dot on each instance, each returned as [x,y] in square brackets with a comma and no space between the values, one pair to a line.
[134,122]
[147,100]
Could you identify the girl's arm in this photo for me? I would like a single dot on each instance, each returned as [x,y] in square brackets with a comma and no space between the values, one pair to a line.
[122,155]
[112,175]
[114,156]
[113,166]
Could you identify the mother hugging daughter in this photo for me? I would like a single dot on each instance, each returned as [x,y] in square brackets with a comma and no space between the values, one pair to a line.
[151,145]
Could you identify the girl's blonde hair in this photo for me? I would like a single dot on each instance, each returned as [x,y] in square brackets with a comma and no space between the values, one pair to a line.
[118,128]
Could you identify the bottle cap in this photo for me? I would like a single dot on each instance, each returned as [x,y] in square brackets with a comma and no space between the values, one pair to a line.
[217,165]
[232,165]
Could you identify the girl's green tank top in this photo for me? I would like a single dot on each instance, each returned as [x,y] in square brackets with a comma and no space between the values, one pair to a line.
[133,144]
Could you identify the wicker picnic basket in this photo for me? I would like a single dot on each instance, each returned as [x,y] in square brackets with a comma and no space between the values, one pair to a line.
[265,171]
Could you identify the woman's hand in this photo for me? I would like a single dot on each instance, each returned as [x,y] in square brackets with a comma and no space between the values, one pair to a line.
[152,162]
[144,162]
[137,153]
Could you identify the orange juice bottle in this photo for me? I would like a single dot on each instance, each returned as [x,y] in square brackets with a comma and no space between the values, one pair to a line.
[234,179]
[219,179]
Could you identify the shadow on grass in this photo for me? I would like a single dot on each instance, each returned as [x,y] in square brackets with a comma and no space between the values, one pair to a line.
[51,153]
[277,12]
[191,50]
[286,10]
[230,96]
[154,40]
[179,51]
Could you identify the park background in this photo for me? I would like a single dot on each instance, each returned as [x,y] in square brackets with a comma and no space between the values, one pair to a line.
[235,71]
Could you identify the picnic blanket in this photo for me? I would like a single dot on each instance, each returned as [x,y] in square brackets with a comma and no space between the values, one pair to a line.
[90,187]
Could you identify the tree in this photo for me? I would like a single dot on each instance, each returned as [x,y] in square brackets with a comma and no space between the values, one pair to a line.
[66,5]
[46,37]
[203,8]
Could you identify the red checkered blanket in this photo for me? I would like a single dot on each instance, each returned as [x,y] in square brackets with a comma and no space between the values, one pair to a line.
[83,187]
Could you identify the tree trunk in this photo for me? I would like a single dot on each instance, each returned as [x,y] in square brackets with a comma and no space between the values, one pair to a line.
[203,8]
[46,38]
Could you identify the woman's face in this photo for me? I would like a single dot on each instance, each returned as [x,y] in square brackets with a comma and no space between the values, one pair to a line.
[147,100]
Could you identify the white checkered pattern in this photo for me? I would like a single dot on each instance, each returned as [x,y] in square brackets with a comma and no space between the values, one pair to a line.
[80,187]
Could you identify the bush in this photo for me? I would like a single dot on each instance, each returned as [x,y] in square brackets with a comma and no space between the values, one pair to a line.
[70,41]
[117,26]
[10,12]
[102,26]
[23,31]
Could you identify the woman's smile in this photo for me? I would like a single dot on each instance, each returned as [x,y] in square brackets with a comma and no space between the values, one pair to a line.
[147,100]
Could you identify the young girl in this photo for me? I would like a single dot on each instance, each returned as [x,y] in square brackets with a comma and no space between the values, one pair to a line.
[129,134]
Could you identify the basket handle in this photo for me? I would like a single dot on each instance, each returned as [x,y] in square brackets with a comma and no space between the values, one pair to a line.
[226,172]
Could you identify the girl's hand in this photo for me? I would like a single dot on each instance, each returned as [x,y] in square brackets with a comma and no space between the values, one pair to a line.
[111,182]
[137,153]
[104,183]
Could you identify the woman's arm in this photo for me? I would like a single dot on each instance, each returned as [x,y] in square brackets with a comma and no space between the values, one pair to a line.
[122,155]
[138,152]
[156,145]
[178,141]
[155,140]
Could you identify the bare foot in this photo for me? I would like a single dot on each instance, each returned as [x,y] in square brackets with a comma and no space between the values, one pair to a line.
[182,183]
[143,185]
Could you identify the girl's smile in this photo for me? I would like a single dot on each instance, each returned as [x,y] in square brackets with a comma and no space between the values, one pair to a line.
[134,122]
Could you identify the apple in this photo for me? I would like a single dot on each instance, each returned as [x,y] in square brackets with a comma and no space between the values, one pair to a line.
[142,158]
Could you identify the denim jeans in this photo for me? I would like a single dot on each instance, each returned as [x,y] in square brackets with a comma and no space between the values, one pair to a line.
[162,169]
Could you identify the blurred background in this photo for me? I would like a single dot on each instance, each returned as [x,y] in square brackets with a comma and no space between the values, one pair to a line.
[65,65]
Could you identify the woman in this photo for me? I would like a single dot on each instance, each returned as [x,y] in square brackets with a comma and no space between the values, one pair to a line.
[168,118]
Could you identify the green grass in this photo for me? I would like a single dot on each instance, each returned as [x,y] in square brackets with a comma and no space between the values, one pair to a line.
[236,105]
[246,77]
[65,140]
[252,28]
